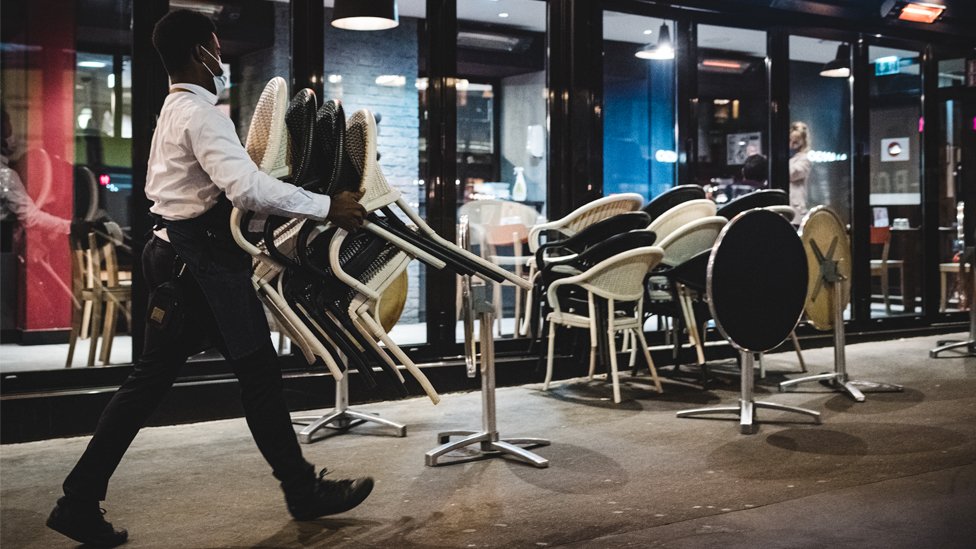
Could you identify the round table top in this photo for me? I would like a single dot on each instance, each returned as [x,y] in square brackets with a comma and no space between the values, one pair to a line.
[757,279]
[825,240]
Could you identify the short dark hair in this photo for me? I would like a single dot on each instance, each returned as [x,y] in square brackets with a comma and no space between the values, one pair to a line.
[755,168]
[176,34]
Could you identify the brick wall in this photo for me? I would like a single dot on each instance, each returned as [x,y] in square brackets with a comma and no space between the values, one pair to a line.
[257,68]
[360,57]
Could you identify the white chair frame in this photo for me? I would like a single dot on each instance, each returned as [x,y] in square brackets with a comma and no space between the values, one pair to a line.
[618,279]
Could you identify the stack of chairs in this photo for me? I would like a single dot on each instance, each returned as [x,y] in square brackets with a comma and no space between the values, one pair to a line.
[322,284]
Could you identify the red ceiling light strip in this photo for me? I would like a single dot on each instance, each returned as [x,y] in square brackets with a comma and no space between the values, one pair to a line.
[921,12]
[722,64]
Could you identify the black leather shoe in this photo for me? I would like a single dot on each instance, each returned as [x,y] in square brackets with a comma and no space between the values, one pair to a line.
[327,497]
[83,522]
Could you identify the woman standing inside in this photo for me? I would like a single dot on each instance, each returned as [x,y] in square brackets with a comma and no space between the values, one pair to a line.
[799,168]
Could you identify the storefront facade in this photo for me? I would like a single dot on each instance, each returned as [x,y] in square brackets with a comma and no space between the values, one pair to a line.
[473,96]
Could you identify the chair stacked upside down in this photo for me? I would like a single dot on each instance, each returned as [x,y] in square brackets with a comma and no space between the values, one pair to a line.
[323,285]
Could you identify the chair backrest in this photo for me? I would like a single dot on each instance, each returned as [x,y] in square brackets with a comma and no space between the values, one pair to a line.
[600,209]
[94,263]
[671,198]
[621,277]
[693,272]
[596,234]
[756,199]
[267,136]
[513,234]
[612,246]
[485,215]
[498,212]
[300,121]
[586,215]
[881,236]
[329,143]
[682,214]
[691,239]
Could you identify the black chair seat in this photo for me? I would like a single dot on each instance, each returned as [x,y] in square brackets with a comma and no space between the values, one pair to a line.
[758,199]
[671,198]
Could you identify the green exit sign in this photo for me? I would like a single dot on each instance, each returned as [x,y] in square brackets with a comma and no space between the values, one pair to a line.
[883,66]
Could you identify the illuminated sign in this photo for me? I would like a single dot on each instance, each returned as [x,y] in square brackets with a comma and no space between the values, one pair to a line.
[883,66]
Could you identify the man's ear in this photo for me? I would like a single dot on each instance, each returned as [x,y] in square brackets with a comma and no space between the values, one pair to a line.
[197,54]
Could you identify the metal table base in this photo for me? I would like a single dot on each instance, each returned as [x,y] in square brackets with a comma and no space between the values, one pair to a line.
[342,418]
[484,444]
[838,379]
[970,344]
[746,409]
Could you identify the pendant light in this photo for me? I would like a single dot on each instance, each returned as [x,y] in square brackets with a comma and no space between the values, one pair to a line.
[662,49]
[840,66]
[365,15]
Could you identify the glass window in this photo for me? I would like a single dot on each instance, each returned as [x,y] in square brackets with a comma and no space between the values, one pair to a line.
[820,129]
[639,154]
[502,136]
[733,108]
[381,71]
[952,72]
[67,154]
[951,236]
[896,193]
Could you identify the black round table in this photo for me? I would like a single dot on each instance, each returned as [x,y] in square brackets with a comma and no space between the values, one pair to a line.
[756,285]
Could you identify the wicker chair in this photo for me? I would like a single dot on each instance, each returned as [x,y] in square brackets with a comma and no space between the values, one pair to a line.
[620,281]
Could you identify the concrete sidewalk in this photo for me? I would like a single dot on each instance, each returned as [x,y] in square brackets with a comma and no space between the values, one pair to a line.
[898,470]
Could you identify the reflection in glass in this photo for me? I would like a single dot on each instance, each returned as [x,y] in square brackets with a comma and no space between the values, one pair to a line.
[66,89]
[953,292]
[895,186]
[502,137]
[820,112]
[733,108]
[639,154]
[382,71]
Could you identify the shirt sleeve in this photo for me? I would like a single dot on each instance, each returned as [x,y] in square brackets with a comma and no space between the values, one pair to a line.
[220,153]
[24,208]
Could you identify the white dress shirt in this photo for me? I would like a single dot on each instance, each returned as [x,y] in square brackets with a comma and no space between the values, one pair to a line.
[196,155]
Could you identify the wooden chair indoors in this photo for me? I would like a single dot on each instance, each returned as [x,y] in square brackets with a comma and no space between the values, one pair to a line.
[100,292]
[881,236]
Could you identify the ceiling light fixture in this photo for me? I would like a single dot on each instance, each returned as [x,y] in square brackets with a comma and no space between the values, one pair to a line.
[365,15]
[840,66]
[662,50]
[503,14]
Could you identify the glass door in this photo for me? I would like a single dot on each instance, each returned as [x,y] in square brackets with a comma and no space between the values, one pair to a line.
[896,126]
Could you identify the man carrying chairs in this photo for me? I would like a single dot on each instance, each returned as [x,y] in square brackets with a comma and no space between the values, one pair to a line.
[202,289]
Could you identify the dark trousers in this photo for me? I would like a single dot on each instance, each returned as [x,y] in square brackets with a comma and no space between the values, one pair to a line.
[165,353]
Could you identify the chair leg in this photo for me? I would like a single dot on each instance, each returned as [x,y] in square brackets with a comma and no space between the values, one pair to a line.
[631,342]
[901,284]
[96,324]
[647,356]
[496,296]
[76,314]
[799,352]
[594,345]
[108,331]
[612,349]
[549,357]
[86,315]
[942,291]
[689,314]
[884,290]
